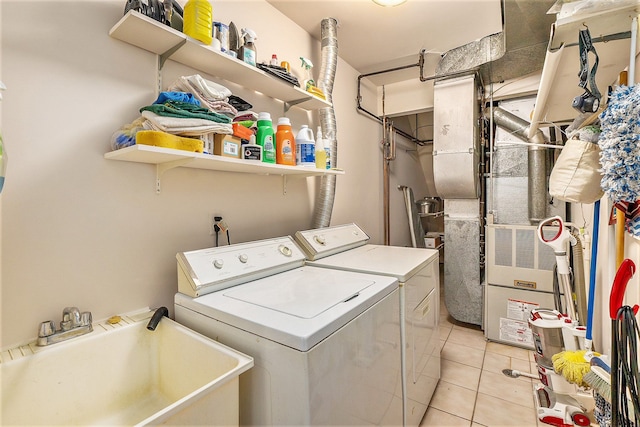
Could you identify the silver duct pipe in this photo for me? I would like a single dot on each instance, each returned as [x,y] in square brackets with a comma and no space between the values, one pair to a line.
[327,191]
[537,161]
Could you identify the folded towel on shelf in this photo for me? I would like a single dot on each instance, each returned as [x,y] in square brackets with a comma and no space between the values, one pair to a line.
[211,95]
[239,103]
[177,96]
[183,126]
[167,140]
[205,88]
[185,110]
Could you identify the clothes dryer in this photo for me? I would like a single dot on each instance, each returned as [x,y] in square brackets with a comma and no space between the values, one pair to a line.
[325,343]
[345,247]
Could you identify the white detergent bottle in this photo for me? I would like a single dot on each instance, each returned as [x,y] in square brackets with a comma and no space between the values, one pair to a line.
[306,146]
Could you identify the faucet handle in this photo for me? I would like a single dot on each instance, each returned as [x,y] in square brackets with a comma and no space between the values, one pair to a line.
[85,318]
[46,329]
[70,318]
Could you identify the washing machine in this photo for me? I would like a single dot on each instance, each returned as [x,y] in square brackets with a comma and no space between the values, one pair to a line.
[344,247]
[326,343]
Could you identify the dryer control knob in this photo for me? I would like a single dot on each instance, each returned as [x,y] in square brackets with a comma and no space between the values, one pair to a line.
[285,250]
[320,239]
[243,258]
[218,263]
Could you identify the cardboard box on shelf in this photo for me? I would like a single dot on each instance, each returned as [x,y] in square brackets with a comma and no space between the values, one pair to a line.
[432,240]
[226,145]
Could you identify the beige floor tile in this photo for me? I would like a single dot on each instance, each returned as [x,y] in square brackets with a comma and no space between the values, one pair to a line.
[462,354]
[497,413]
[444,331]
[508,350]
[454,399]
[459,374]
[494,362]
[437,418]
[468,337]
[506,388]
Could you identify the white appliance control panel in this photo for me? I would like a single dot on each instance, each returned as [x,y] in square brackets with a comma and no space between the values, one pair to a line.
[208,270]
[322,242]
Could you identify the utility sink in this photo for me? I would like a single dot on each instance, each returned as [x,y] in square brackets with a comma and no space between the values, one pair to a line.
[123,374]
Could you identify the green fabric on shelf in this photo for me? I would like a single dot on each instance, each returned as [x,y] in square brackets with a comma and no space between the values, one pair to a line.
[185,110]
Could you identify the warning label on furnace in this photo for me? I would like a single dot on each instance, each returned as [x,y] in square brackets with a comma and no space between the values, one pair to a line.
[515,331]
[520,310]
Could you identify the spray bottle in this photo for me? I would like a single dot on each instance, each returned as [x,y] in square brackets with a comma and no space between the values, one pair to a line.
[248,52]
[307,65]
[309,84]
[321,155]
[323,151]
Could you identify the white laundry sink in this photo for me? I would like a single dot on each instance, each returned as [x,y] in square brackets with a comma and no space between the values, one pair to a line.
[123,374]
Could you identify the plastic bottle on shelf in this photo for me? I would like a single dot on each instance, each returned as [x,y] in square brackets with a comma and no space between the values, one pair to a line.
[321,155]
[285,143]
[248,52]
[252,151]
[327,151]
[198,20]
[266,137]
[306,145]
[274,60]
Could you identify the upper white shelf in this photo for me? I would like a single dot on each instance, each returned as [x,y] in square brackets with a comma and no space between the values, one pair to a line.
[559,79]
[153,36]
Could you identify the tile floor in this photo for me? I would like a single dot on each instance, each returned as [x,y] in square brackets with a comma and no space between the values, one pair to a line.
[473,391]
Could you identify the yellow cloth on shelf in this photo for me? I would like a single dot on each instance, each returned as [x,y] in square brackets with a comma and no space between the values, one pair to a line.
[167,140]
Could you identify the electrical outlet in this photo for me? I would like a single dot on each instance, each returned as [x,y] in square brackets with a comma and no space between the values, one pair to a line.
[214,220]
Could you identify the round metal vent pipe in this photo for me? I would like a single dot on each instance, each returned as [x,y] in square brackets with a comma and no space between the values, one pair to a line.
[537,161]
[327,191]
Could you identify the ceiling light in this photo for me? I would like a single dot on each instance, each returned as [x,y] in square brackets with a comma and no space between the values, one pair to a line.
[389,2]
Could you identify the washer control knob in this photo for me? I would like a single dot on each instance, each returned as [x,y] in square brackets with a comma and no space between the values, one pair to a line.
[218,263]
[320,239]
[243,258]
[285,250]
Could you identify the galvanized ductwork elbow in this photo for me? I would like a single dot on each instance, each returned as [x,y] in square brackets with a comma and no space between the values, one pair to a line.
[327,192]
[537,160]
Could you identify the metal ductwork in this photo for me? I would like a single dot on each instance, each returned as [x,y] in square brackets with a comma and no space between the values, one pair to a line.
[327,192]
[516,51]
[537,160]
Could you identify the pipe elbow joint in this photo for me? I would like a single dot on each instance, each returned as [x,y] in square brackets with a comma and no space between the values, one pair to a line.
[157,316]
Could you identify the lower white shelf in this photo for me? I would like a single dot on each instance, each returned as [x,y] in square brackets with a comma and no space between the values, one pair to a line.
[168,158]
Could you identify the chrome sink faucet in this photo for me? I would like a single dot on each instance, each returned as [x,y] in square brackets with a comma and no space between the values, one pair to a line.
[73,324]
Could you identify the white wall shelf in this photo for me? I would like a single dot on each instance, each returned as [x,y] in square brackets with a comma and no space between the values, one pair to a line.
[167,158]
[153,36]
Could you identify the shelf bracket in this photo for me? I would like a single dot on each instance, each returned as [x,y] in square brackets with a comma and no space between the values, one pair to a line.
[284,185]
[162,59]
[161,168]
[168,53]
[289,104]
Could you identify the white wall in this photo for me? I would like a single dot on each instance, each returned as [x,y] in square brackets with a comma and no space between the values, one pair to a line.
[81,230]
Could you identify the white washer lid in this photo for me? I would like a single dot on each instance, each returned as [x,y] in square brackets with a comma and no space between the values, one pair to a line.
[297,296]
[399,262]
[297,308]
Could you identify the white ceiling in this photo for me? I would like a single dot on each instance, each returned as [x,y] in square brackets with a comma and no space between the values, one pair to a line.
[374,38]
